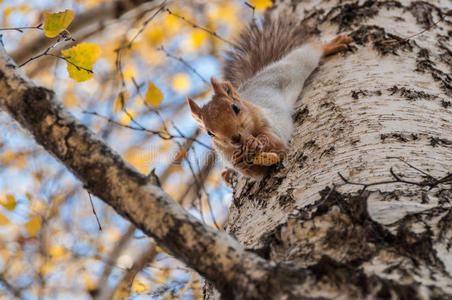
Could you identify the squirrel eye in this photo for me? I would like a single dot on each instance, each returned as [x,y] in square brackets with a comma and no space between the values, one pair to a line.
[236,109]
[226,89]
[210,133]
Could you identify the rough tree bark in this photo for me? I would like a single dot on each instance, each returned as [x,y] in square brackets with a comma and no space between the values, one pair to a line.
[307,235]
[385,101]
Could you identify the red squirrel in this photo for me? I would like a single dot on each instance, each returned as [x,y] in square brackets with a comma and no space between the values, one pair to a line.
[249,117]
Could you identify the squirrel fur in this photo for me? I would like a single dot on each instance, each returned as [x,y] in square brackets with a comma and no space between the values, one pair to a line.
[251,111]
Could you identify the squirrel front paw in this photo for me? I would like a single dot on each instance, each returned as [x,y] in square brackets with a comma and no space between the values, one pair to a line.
[243,158]
[227,176]
[253,152]
[252,147]
[337,44]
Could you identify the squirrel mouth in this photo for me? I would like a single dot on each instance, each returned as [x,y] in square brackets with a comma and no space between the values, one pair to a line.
[236,139]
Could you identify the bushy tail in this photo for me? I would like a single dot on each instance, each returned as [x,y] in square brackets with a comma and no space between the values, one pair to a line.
[260,45]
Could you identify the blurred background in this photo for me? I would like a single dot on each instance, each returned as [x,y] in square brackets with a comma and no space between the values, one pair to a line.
[52,244]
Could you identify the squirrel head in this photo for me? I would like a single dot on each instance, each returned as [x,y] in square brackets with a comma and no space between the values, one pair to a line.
[226,118]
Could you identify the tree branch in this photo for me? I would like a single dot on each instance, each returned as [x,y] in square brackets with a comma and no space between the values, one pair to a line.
[215,255]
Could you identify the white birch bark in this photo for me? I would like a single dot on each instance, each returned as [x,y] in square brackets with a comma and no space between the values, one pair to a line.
[388,98]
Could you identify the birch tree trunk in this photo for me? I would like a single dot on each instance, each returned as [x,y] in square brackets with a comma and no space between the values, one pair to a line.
[379,115]
[384,105]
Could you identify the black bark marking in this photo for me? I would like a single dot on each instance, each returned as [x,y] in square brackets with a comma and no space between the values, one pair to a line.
[445,104]
[352,13]
[310,144]
[401,137]
[383,42]
[444,225]
[365,93]
[436,141]
[328,151]
[410,94]
[423,12]
[427,66]
[286,200]
[301,115]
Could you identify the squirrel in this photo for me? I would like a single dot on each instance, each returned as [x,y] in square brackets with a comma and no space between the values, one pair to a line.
[249,117]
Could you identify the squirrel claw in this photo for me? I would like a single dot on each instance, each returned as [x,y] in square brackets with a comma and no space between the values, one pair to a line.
[337,44]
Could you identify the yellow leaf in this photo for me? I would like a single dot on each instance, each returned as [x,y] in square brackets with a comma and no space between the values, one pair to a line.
[226,11]
[172,23]
[139,287]
[7,11]
[9,202]
[155,35]
[57,251]
[162,276]
[127,117]
[153,96]
[3,220]
[137,159]
[57,22]
[129,72]
[46,268]
[181,83]
[89,282]
[124,293]
[33,226]
[81,58]
[120,101]
[198,36]
[261,4]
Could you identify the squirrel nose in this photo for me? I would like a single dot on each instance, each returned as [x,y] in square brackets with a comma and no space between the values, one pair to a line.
[237,139]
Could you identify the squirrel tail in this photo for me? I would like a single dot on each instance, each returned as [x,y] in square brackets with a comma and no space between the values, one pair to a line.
[261,45]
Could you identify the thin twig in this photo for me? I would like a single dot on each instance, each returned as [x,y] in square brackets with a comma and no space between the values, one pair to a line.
[69,62]
[411,166]
[129,44]
[21,29]
[252,7]
[430,182]
[194,25]
[400,40]
[426,29]
[184,62]
[162,135]
[46,53]
[209,205]
[94,211]
[112,259]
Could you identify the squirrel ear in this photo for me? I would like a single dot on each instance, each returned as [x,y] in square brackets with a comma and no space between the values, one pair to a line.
[217,87]
[195,110]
